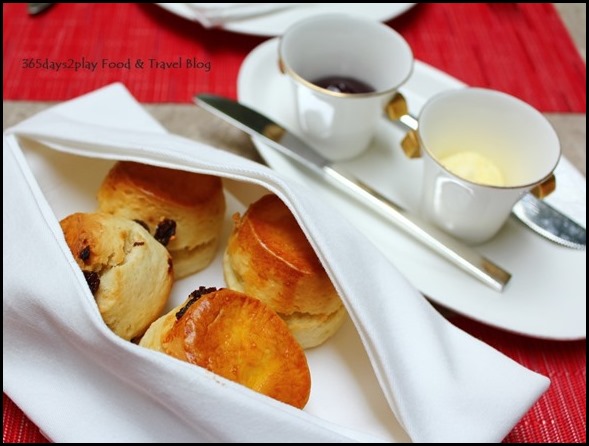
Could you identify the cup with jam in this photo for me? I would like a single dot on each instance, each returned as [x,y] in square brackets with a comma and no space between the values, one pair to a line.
[343,71]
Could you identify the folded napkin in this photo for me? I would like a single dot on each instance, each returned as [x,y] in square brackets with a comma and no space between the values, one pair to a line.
[211,15]
[80,383]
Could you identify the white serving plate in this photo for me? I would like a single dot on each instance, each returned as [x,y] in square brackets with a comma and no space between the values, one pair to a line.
[276,23]
[546,295]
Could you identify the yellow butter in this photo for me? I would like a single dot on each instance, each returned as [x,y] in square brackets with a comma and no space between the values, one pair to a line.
[474,167]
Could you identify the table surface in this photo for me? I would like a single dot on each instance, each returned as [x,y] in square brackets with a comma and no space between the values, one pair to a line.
[536,426]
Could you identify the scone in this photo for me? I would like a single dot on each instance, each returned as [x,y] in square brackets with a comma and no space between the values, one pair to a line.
[269,257]
[127,270]
[183,210]
[237,337]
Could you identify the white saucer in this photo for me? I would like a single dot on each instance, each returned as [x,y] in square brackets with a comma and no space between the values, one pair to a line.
[546,295]
[275,24]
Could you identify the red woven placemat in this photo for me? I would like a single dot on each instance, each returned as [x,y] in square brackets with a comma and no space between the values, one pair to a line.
[522,49]
[558,417]
[17,427]
[560,414]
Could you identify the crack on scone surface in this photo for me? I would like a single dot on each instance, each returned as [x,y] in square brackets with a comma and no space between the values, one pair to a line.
[130,240]
[193,297]
[189,250]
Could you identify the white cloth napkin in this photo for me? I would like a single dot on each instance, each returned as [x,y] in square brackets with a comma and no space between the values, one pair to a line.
[211,15]
[79,382]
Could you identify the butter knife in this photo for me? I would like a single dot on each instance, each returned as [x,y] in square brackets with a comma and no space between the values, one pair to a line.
[550,223]
[280,139]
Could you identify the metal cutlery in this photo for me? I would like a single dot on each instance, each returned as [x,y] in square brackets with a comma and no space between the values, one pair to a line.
[550,223]
[280,139]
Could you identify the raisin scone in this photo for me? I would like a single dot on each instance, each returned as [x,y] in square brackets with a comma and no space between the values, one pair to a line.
[183,210]
[129,273]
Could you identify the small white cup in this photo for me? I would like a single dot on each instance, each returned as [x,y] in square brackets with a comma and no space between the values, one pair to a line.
[341,125]
[515,138]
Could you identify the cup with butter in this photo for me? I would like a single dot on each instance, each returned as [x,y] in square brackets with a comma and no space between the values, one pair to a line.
[482,151]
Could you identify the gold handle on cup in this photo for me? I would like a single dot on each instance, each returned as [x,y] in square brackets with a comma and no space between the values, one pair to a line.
[397,110]
[281,67]
[410,145]
[397,107]
[545,188]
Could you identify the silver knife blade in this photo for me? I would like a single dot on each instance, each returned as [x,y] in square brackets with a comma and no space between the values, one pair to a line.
[36,8]
[547,221]
[277,137]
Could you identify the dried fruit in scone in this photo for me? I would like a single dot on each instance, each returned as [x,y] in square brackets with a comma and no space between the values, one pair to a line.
[129,273]
[183,210]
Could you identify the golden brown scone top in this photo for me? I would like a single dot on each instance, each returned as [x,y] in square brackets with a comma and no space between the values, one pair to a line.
[178,186]
[269,257]
[241,339]
[274,227]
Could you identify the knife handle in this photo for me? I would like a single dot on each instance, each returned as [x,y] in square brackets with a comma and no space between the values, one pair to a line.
[446,246]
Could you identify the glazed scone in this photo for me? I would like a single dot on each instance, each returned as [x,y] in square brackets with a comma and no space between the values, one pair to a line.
[237,337]
[183,210]
[269,257]
[129,273]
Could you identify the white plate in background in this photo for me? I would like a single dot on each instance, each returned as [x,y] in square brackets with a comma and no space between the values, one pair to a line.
[546,295]
[275,24]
